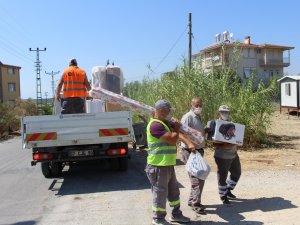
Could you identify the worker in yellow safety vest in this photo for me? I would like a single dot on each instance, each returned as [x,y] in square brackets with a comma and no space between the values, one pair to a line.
[162,135]
[75,86]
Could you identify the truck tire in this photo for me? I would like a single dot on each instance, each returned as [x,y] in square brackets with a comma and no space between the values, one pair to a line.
[46,170]
[123,163]
[114,164]
[134,146]
[56,169]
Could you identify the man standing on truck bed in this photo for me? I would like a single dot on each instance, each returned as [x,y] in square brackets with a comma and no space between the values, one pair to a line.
[75,85]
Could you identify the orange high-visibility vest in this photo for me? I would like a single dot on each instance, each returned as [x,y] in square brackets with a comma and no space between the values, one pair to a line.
[74,82]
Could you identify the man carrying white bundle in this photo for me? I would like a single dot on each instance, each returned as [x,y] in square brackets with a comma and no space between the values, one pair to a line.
[193,120]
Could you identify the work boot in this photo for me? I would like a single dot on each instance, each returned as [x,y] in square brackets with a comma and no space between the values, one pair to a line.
[230,195]
[225,200]
[198,205]
[159,222]
[199,210]
[179,219]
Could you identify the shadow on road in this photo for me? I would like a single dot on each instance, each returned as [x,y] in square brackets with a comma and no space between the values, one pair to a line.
[232,213]
[282,141]
[246,222]
[96,176]
[29,222]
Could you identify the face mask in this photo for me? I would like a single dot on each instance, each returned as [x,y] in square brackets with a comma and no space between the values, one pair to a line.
[224,116]
[169,116]
[198,111]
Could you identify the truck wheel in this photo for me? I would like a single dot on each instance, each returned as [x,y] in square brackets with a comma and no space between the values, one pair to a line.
[56,169]
[134,146]
[123,163]
[114,164]
[45,166]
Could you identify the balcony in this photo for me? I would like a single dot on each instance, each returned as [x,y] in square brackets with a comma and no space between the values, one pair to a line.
[212,61]
[284,62]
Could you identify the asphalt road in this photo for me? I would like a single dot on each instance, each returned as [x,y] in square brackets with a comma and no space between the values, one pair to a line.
[90,193]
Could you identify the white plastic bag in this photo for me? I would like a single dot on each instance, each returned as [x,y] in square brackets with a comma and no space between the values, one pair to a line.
[197,166]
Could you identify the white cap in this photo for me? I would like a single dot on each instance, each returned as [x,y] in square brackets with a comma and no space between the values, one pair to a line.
[224,108]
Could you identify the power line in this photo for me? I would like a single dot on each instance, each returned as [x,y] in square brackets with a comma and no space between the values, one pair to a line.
[198,49]
[15,26]
[163,59]
[52,82]
[38,77]
[10,47]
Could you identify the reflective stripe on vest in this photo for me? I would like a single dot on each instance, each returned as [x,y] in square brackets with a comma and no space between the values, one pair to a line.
[159,152]
[74,85]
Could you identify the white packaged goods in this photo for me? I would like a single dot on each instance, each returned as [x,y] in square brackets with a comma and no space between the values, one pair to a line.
[119,100]
[57,107]
[98,76]
[229,132]
[197,166]
[108,77]
[95,106]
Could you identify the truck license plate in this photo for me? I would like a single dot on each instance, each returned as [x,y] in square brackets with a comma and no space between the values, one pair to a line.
[81,153]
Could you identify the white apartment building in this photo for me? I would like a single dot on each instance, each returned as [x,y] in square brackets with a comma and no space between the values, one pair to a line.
[267,60]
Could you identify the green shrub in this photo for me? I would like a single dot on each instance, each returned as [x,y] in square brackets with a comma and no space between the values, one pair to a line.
[9,121]
[250,103]
[10,116]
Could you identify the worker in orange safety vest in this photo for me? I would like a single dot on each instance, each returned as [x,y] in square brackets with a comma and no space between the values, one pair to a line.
[75,86]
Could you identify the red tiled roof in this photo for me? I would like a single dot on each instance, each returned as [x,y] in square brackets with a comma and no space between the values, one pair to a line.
[232,44]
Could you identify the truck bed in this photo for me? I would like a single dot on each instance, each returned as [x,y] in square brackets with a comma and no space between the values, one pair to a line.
[76,129]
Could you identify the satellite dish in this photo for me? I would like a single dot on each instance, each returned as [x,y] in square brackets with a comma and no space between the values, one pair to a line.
[231,36]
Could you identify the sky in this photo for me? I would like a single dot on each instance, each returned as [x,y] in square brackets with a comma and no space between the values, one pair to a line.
[134,34]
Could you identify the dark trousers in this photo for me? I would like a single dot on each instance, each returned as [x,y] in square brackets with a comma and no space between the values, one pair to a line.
[196,183]
[72,105]
[225,166]
[164,186]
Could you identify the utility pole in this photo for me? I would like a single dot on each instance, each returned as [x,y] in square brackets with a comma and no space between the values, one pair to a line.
[190,41]
[52,81]
[46,94]
[38,76]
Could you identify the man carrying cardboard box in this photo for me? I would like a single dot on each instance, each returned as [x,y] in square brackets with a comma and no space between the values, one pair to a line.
[226,158]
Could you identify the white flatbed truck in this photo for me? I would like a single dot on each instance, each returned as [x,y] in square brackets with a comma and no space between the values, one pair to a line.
[59,139]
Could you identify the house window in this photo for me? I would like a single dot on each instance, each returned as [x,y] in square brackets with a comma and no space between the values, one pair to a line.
[248,71]
[251,53]
[10,71]
[11,87]
[246,52]
[288,89]
[258,51]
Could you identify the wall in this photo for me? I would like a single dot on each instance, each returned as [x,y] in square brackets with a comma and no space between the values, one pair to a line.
[286,100]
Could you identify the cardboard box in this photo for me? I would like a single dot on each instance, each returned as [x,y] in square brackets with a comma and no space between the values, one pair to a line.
[114,108]
[229,132]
